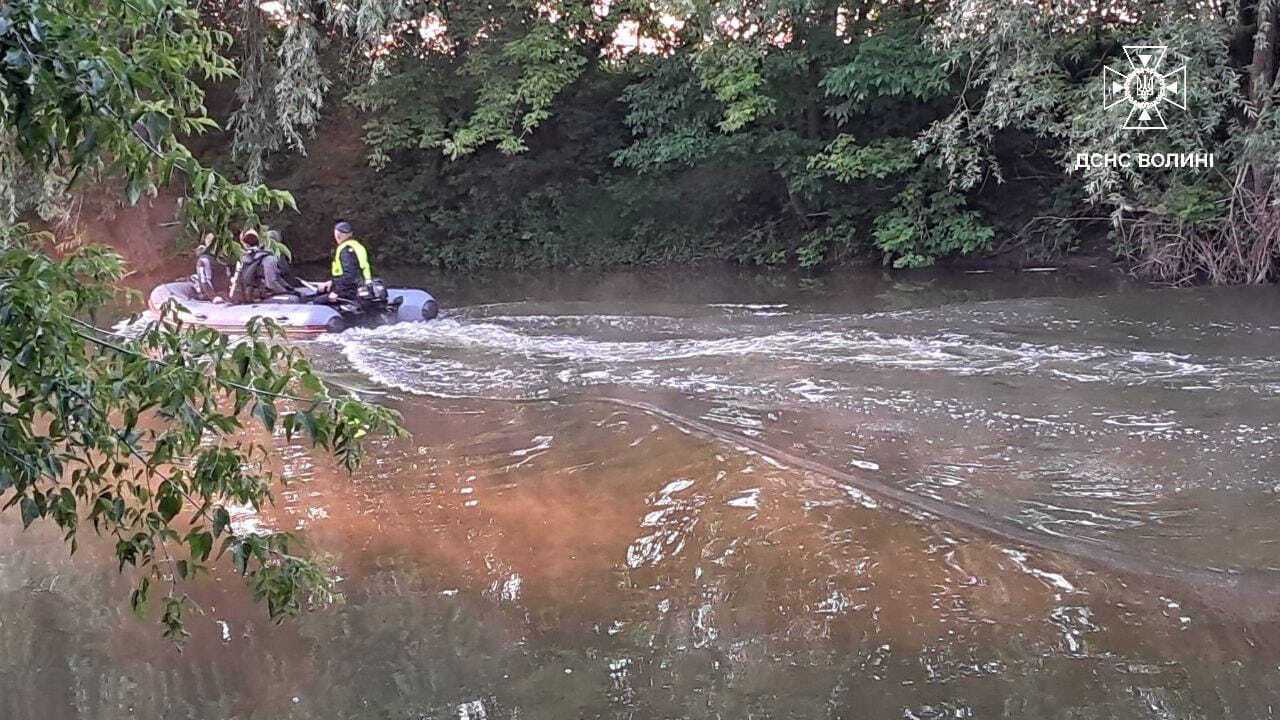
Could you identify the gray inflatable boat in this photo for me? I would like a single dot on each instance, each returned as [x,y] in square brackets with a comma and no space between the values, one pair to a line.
[297,317]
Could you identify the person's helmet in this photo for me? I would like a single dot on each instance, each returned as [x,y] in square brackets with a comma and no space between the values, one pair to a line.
[343,227]
[249,237]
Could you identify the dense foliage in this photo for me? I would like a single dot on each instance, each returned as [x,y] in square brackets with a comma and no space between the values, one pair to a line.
[143,439]
[551,132]
[1039,73]
[631,132]
[775,131]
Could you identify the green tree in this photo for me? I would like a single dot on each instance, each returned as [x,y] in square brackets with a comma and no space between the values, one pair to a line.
[1039,70]
[769,96]
[911,129]
[139,439]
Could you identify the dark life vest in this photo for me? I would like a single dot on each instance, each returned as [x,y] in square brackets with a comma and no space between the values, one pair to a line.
[250,282]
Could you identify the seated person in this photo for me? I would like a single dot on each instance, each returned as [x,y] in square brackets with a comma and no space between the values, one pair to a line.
[297,286]
[212,278]
[257,275]
[350,268]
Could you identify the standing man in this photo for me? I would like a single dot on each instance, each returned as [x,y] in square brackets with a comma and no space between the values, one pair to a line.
[350,268]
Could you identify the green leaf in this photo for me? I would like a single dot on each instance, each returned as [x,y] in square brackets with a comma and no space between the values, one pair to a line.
[221,521]
[265,412]
[169,506]
[30,511]
[201,545]
[138,599]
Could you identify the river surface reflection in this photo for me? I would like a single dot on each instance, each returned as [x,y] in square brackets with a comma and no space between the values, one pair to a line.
[531,552]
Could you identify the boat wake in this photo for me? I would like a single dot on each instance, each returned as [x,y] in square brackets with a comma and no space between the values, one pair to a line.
[1019,431]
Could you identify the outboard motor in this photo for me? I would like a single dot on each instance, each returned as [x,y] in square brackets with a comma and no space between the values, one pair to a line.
[374,305]
[373,293]
[373,299]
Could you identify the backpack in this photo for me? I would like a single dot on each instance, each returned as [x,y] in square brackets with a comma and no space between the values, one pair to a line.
[248,283]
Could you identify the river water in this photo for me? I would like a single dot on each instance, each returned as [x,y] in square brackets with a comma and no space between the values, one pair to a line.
[715,494]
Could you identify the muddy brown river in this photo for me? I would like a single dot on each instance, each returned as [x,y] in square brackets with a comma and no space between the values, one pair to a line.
[717,494]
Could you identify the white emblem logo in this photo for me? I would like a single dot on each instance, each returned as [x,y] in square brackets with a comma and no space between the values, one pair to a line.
[1145,88]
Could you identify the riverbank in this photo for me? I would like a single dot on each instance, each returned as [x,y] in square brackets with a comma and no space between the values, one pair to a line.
[147,237]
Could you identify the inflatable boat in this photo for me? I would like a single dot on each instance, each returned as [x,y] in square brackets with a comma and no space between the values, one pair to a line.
[294,314]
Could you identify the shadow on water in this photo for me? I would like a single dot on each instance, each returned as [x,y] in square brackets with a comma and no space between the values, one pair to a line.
[745,536]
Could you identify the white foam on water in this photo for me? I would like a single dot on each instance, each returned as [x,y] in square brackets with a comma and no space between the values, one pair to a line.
[676,486]
[1053,580]
[511,588]
[749,306]
[1027,372]
[528,355]
[472,710]
[540,443]
[245,520]
[860,497]
[748,499]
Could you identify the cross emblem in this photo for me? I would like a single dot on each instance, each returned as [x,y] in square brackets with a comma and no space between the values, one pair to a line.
[1145,87]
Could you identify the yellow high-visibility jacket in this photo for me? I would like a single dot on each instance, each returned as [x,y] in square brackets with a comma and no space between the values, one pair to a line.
[347,279]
